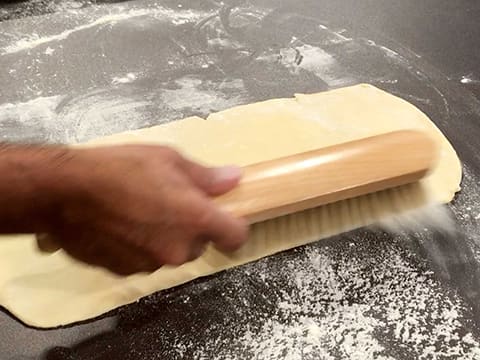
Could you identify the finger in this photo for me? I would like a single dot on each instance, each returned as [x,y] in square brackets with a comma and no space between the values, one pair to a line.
[109,254]
[225,231]
[174,252]
[213,181]
[198,247]
[47,243]
[126,261]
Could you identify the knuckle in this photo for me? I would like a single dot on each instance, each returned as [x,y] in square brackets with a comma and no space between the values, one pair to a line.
[169,153]
[232,246]
[201,218]
[158,259]
[233,243]
[177,260]
[175,255]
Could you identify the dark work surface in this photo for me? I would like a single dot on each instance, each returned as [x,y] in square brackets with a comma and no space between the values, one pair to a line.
[364,294]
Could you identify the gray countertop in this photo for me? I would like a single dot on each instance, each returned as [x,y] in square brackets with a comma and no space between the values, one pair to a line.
[75,71]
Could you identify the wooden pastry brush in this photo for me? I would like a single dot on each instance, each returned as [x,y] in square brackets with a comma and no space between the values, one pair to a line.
[360,172]
[307,180]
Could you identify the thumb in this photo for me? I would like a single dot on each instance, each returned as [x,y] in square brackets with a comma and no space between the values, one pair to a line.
[213,181]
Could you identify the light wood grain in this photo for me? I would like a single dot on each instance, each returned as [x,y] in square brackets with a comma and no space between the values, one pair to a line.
[301,181]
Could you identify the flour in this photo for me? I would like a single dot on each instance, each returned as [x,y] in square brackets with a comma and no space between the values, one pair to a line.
[468,79]
[347,301]
[203,97]
[310,54]
[337,37]
[115,15]
[340,303]
[128,78]
[110,110]
[57,119]
[34,117]
[49,51]
[320,63]
[389,53]
[433,216]
[99,114]
[312,59]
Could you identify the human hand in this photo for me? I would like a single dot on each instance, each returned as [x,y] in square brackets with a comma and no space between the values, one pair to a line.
[135,208]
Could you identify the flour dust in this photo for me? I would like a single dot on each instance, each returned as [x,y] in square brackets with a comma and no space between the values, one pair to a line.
[344,301]
[119,108]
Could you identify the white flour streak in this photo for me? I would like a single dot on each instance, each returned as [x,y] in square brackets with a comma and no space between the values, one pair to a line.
[387,51]
[177,17]
[35,40]
[388,81]
[338,36]
[467,79]
[128,78]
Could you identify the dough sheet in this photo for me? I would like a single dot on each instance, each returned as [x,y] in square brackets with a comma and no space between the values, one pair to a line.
[47,290]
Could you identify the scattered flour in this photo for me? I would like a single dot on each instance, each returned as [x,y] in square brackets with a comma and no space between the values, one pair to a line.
[110,110]
[203,97]
[339,304]
[58,119]
[36,116]
[312,59]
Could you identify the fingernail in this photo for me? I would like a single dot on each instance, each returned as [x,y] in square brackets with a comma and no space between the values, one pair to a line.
[227,173]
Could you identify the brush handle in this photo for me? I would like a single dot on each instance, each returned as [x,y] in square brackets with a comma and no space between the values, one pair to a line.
[306,180]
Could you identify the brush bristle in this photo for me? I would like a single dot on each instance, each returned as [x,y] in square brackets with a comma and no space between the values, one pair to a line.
[398,209]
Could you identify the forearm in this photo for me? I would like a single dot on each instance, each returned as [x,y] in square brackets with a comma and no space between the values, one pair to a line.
[30,182]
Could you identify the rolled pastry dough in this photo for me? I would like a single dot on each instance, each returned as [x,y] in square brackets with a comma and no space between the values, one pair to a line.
[50,290]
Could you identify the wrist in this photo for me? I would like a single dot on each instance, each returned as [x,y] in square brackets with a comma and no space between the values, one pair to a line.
[59,183]
[32,188]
